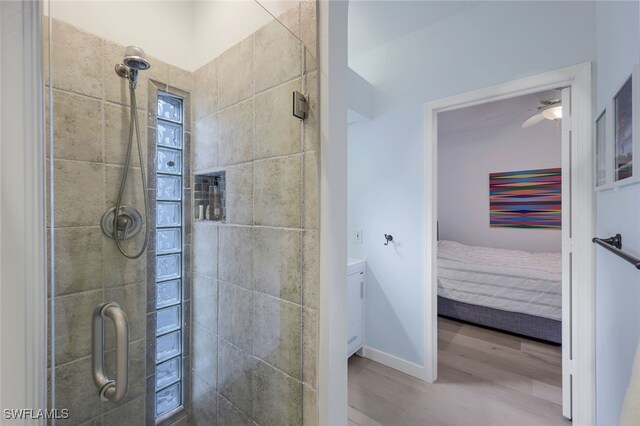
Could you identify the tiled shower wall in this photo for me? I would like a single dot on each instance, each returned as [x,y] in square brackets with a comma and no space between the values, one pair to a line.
[254,320]
[90,125]
[255,276]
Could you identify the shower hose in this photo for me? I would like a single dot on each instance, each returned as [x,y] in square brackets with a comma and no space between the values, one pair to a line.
[133,127]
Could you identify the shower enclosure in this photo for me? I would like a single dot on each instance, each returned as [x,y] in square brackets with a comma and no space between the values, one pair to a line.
[197,302]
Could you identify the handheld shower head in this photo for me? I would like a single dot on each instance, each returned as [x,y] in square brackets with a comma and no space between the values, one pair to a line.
[136,59]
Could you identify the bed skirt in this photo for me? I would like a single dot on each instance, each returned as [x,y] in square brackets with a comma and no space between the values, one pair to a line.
[513,322]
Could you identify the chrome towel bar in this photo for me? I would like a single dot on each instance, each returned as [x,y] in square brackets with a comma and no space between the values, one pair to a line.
[614,245]
[110,390]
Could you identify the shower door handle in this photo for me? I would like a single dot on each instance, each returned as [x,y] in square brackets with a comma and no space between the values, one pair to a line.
[111,390]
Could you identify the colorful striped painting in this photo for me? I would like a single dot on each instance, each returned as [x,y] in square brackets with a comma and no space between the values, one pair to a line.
[526,199]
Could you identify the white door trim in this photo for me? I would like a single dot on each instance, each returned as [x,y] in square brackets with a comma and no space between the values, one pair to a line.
[578,77]
[332,360]
[23,293]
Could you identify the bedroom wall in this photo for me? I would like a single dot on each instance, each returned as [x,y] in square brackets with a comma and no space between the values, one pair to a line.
[386,162]
[465,160]
[617,282]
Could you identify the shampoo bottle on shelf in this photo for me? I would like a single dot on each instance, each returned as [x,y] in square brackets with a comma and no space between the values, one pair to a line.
[215,200]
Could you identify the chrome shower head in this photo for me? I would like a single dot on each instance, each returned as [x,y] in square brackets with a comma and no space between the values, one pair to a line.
[136,59]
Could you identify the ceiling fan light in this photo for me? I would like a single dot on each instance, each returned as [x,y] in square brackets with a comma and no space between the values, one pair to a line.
[553,113]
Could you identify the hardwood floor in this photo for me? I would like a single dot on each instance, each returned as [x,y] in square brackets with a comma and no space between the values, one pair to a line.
[486,378]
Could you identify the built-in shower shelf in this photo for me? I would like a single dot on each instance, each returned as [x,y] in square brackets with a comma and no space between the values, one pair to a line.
[209,202]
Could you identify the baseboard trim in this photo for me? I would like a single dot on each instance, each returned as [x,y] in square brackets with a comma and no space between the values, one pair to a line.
[392,361]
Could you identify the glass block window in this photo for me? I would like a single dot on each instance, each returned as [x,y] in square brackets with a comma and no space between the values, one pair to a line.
[169,254]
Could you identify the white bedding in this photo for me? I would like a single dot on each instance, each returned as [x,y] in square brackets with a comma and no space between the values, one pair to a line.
[510,280]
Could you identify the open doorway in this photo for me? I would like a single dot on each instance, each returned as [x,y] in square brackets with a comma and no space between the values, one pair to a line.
[576,226]
[500,258]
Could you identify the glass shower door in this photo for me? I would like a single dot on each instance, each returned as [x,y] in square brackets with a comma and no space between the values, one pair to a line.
[221,304]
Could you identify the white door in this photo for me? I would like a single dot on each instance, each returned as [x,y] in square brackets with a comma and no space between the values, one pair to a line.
[567,261]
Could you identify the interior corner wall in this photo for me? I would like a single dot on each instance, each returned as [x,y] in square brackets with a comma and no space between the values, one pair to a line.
[465,160]
[488,44]
[617,282]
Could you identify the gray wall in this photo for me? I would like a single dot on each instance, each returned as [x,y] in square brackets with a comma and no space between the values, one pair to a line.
[465,160]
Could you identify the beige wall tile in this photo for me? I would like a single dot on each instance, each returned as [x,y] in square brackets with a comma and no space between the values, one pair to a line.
[204,358]
[235,73]
[132,300]
[277,331]
[133,194]
[77,127]
[205,303]
[309,346]
[239,194]
[76,392]
[205,143]
[205,249]
[277,130]
[310,269]
[277,263]
[309,406]
[180,78]
[79,74]
[309,25]
[236,133]
[79,193]
[205,93]
[290,19]
[73,325]
[236,315]
[119,270]
[235,264]
[158,72]
[310,63]
[310,124]
[286,408]
[137,382]
[277,192]
[311,194]
[130,413]
[235,376]
[116,132]
[230,415]
[203,403]
[277,56]
[78,260]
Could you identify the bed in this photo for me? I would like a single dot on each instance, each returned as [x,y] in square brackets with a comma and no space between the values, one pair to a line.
[511,290]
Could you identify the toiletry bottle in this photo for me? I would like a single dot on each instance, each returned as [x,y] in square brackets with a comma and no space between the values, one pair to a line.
[216,200]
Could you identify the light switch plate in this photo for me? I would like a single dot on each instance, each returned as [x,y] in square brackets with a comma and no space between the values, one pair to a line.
[357,236]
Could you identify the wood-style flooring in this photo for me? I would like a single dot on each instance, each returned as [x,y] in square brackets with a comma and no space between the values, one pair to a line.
[485,378]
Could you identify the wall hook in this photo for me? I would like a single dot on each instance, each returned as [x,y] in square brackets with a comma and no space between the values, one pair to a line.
[388,237]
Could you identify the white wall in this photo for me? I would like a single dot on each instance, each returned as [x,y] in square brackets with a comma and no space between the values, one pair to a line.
[618,211]
[485,45]
[185,33]
[360,97]
[465,160]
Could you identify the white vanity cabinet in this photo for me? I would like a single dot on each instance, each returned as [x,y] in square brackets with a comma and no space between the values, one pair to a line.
[355,302]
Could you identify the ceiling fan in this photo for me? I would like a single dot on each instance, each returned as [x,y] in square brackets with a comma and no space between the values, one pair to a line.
[550,108]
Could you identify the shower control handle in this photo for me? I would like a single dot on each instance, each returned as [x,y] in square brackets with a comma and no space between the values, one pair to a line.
[111,390]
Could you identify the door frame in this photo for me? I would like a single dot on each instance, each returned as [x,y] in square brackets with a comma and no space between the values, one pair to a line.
[23,237]
[582,364]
